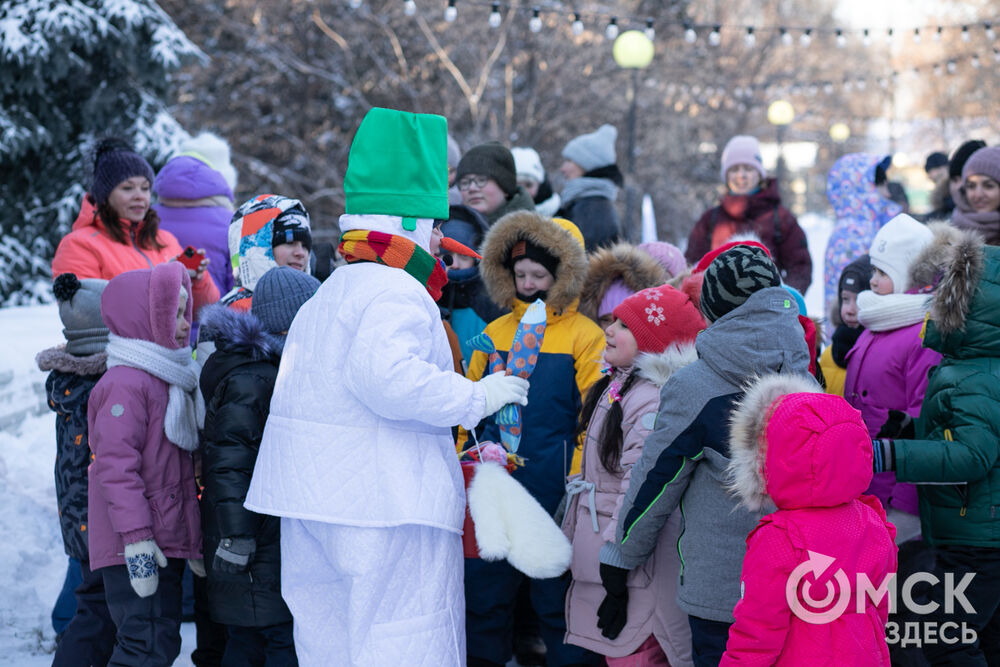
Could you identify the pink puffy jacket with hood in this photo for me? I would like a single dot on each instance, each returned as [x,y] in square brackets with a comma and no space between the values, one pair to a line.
[808,454]
[140,485]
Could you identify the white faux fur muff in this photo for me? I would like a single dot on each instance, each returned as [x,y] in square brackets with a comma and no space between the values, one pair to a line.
[747,448]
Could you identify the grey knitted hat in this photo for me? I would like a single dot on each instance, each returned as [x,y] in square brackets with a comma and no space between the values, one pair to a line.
[985,162]
[278,296]
[733,276]
[593,150]
[114,162]
[80,312]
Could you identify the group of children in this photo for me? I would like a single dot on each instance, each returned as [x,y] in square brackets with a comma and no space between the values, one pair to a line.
[670,417]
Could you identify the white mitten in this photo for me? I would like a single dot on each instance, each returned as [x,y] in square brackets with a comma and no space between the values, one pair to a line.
[502,389]
[197,567]
[511,524]
[142,559]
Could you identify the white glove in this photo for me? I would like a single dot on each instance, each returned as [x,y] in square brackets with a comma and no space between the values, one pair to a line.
[502,389]
[197,567]
[142,559]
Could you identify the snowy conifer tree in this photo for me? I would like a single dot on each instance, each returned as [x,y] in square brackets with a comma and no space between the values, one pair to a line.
[70,71]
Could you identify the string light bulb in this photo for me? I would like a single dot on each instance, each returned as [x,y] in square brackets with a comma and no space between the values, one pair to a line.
[828,88]
[409,7]
[975,62]
[535,24]
[937,34]
[937,70]
[354,4]
[866,38]
[889,36]
[916,35]
[650,30]
[495,19]
[965,34]
[996,55]
[612,30]
[848,85]
[750,39]
[991,34]
[841,40]
[714,37]
[786,37]
[951,66]
[450,12]
[690,36]
[805,39]
[884,82]
[577,25]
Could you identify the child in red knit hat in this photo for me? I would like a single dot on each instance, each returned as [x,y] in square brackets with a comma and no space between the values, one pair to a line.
[628,616]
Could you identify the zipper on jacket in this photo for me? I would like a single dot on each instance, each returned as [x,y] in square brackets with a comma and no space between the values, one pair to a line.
[963,489]
[131,233]
[679,536]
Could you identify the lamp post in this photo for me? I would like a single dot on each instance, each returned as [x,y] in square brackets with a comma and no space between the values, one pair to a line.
[632,50]
[839,133]
[780,113]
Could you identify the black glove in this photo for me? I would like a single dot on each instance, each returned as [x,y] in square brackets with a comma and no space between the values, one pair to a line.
[899,426]
[234,554]
[613,612]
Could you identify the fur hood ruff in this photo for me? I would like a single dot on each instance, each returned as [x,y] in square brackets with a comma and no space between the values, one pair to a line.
[954,262]
[622,261]
[746,435]
[228,327]
[559,237]
[657,368]
[58,359]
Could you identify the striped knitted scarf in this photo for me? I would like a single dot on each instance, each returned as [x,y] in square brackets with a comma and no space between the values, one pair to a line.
[399,252]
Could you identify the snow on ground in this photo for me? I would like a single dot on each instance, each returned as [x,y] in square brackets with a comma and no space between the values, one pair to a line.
[31,549]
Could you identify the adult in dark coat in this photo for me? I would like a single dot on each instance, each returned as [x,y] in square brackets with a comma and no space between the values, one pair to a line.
[592,183]
[752,205]
[244,577]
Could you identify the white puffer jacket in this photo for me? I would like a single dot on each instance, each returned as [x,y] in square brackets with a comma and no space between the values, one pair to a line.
[359,429]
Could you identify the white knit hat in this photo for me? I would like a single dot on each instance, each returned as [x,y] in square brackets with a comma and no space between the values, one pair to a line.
[214,151]
[896,246]
[593,150]
[528,164]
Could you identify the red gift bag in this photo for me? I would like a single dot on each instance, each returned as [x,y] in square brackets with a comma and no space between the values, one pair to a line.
[469,546]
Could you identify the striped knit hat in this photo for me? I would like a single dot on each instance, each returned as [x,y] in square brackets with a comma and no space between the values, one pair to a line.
[733,276]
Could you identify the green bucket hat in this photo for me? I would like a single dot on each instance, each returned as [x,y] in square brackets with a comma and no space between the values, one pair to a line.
[398,165]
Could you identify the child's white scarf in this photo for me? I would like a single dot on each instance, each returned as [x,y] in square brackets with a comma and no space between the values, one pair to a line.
[185,407]
[888,312]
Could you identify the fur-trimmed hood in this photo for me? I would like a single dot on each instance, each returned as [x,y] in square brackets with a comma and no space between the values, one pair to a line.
[559,237]
[953,262]
[657,368]
[233,329]
[58,359]
[792,446]
[622,261]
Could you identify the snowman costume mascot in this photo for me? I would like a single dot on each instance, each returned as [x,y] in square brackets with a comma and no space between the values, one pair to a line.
[357,456]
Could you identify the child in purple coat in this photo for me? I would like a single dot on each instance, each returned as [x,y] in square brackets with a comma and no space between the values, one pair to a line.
[143,416]
[887,367]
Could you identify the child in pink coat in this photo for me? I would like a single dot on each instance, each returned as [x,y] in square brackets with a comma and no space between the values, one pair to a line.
[807,454]
[143,417]
[630,616]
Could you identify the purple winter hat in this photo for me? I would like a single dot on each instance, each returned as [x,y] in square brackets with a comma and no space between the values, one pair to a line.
[667,255]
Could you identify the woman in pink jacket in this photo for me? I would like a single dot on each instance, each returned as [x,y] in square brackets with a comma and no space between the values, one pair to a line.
[628,616]
[143,416]
[807,454]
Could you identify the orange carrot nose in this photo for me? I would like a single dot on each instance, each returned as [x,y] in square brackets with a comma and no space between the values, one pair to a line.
[451,245]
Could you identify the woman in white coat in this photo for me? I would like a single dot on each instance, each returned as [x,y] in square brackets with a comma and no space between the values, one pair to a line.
[357,457]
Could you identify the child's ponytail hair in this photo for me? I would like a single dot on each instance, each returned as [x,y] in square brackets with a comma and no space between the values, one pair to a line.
[610,440]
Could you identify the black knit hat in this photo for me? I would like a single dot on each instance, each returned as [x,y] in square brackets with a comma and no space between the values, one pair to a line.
[524,249]
[962,155]
[733,276]
[935,160]
[856,276]
[491,159]
[115,162]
